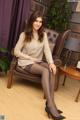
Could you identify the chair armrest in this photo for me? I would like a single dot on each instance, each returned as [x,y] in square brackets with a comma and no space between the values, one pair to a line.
[57,61]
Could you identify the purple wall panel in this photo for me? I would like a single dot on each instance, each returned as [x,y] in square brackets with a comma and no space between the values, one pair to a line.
[7,13]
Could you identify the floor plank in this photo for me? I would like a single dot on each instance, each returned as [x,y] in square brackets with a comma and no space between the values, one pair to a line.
[24,101]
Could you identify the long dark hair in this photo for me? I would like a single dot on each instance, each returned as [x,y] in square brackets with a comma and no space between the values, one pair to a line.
[29,27]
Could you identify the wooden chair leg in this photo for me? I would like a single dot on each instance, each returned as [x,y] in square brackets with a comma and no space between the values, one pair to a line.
[76,99]
[64,80]
[9,82]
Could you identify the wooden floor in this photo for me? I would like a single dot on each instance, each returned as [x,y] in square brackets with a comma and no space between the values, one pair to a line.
[24,101]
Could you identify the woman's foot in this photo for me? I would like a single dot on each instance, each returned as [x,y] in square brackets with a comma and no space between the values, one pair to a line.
[59,111]
[60,117]
[52,109]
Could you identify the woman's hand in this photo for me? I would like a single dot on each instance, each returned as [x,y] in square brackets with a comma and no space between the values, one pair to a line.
[52,68]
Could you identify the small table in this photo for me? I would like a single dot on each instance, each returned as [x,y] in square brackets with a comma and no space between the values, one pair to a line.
[71,73]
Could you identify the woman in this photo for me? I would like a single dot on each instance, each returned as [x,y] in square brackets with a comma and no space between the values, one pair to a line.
[32,43]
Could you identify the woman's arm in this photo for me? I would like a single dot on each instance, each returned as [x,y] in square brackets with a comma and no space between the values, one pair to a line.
[18,48]
[48,54]
[47,50]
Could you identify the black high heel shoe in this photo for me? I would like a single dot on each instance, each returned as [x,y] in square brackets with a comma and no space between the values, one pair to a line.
[52,116]
[59,111]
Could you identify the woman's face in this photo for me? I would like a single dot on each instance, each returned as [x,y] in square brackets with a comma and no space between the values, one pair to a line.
[37,23]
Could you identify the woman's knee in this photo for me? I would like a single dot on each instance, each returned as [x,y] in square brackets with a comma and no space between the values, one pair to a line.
[45,70]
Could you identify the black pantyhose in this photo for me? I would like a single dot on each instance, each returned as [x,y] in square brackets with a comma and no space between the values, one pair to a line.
[47,84]
[51,82]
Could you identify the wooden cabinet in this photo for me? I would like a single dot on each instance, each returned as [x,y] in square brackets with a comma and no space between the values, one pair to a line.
[75,22]
[75,19]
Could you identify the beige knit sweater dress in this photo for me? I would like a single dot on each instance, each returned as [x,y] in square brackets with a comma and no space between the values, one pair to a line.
[34,49]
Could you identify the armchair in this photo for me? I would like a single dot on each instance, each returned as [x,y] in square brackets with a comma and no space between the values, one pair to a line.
[16,70]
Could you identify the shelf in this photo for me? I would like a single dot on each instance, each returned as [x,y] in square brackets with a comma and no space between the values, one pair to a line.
[75,17]
[75,27]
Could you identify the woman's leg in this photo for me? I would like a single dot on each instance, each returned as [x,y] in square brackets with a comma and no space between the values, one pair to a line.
[44,72]
[51,81]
